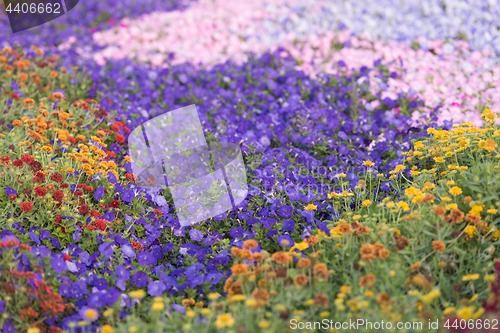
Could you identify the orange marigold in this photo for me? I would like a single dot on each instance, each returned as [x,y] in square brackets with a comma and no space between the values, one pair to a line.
[438,246]
[301,280]
[250,244]
[282,257]
[367,280]
[304,263]
[239,269]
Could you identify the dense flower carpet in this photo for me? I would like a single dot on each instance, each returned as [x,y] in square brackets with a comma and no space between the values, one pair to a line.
[370,135]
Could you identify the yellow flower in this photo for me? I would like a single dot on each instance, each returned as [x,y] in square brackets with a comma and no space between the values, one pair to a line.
[465,313]
[392,273]
[455,190]
[404,206]
[356,217]
[449,310]
[490,145]
[301,246]
[368,163]
[108,312]
[492,211]
[451,206]
[341,175]
[205,311]
[107,329]
[309,302]
[311,207]
[190,314]
[439,159]
[399,168]
[132,329]
[450,182]
[139,293]
[251,302]
[33,330]
[476,210]
[470,230]
[213,296]
[366,203]
[264,324]
[369,293]
[478,314]
[470,277]
[496,235]
[224,320]
[324,314]
[157,306]
[237,298]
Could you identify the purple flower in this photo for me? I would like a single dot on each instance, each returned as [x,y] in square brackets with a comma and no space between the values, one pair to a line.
[128,251]
[101,284]
[285,211]
[128,196]
[8,328]
[9,191]
[115,148]
[88,314]
[58,265]
[122,273]
[196,235]
[236,232]
[140,279]
[98,194]
[285,240]
[145,259]
[156,288]
[288,224]
[111,177]
[179,308]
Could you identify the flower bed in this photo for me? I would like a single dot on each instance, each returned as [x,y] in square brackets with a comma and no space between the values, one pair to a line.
[363,202]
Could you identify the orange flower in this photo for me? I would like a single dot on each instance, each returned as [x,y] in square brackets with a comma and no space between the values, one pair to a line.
[23,77]
[320,268]
[438,246]
[28,101]
[321,300]
[439,210]
[17,122]
[344,228]
[456,216]
[239,269]
[53,74]
[383,298]
[282,257]
[304,263]
[260,294]
[250,244]
[415,266]
[300,280]
[367,280]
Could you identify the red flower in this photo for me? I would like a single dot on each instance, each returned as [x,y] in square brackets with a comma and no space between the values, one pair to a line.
[90,227]
[81,185]
[28,312]
[78,193]
[64,185]
[84,209]
[120,138]
[14,96]
[26,206]
[12,197]
[57,177]
[72,140]
[110,154]
[95,213]
[66,257]
[5,160]
[40,191]
[115,127]
[89,188]
[101,224]
[18,163]
[36,166]
[115,203]
[27,159]
[157,212]
[58,195]
[57,220]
